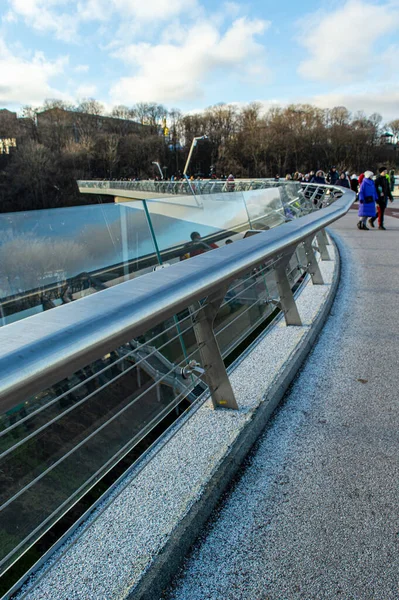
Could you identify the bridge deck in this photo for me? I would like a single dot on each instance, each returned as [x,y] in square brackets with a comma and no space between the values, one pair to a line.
[315,512]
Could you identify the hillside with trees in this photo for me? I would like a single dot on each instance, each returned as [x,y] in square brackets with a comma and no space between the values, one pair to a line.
[59,144]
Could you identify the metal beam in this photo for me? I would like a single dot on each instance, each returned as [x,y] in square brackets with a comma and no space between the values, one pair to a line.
[321,243]
[287,300]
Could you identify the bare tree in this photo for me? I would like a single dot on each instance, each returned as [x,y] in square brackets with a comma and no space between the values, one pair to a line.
[394,126]
[91,107]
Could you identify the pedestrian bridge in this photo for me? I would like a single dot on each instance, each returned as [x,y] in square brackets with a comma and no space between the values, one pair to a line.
[312,514]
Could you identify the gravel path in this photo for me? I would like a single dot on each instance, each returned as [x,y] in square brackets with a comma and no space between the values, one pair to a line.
[315,511]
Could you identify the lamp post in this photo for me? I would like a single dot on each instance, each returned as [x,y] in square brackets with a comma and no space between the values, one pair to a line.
[159,167]
[193,144]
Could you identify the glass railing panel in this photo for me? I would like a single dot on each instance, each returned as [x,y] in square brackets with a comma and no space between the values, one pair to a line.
[292,194]
[196,224]
[51,257]
[250,301]
[271,206]
[56,445]
[265,208]
[246,305]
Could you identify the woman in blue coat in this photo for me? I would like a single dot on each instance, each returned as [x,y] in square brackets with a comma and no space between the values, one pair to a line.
[367,198]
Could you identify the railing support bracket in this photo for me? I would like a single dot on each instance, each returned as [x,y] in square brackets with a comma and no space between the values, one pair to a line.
[322,246]
[215,375]
[313,265]
[287,300]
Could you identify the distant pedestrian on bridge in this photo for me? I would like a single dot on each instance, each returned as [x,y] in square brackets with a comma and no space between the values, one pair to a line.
[384,193]
[333,176]
[354,184]
[230,185]
[319,178]
[343,181]
[367,199]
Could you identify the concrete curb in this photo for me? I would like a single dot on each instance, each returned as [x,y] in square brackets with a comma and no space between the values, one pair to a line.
[165,565]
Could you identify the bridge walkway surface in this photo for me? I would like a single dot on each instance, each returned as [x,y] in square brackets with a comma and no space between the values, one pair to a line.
[314,513]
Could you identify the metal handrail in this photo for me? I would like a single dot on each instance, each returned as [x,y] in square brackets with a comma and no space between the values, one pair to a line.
[182,187]
[45,348]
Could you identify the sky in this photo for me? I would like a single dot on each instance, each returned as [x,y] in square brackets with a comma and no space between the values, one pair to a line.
[190,54]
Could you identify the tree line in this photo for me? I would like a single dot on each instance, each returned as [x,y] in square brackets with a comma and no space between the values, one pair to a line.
[41,172]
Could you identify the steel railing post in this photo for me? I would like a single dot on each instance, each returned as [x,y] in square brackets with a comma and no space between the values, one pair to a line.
[325,236]
[312,264]
[215,375]
[321,243]
[287,300]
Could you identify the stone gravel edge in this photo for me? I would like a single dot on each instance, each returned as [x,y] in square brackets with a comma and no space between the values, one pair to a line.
[165,565]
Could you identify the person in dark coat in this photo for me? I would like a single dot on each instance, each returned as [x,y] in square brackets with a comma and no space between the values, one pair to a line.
[333,176]
[343,181]
[383,188]
[318,178]
[354,184]
[367,199]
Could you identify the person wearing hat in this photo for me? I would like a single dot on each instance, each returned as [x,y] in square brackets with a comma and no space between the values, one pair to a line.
[319,177]
[383,188]
[333,176]
[367,199]
[230,183]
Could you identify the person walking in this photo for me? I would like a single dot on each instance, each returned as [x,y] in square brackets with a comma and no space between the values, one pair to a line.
[367,199]
[384,193]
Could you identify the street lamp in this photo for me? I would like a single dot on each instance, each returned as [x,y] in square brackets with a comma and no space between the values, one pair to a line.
[159,168]
[193,144]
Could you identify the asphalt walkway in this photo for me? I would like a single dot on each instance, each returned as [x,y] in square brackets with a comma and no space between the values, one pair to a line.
[314,513]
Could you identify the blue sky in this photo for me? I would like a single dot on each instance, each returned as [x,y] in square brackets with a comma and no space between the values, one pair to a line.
[191,54]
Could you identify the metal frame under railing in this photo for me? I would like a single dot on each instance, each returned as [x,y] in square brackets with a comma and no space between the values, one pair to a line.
[45,349]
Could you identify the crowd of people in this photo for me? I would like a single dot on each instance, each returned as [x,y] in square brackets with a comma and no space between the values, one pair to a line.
[372,192]
[333,177]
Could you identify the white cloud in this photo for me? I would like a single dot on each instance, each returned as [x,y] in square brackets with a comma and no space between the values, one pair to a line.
[27,81]
[148,10]
[44,15]
[384,100]
[94,10]
[173,72]
[341,44]
[9,17]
